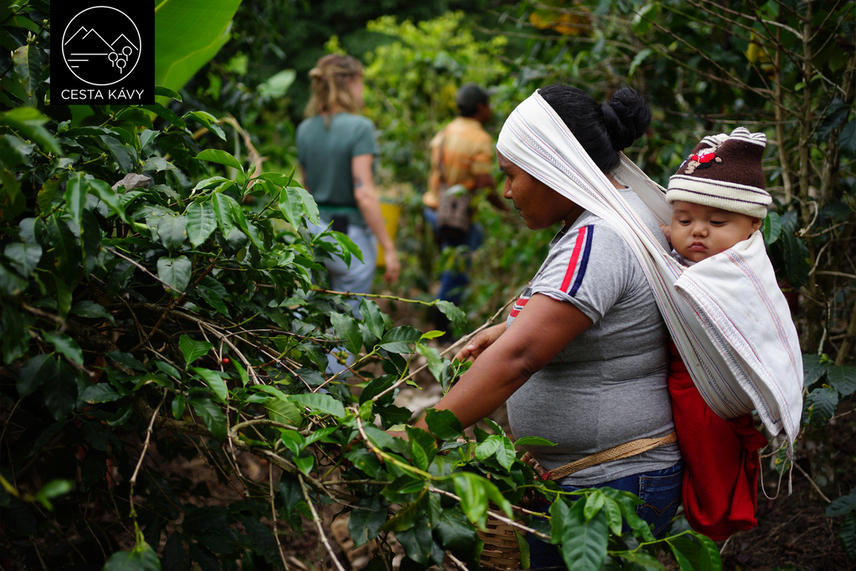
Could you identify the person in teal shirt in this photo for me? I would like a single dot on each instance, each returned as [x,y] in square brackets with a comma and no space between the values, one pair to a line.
[336,148]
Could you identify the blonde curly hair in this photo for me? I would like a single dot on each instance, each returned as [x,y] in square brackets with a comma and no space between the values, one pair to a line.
[330,78]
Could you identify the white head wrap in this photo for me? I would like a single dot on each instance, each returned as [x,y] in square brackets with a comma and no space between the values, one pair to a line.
[738,361]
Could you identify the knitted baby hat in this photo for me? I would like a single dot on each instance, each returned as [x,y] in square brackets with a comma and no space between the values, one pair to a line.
[724,171]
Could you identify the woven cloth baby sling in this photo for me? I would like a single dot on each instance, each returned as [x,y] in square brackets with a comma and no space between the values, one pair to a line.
[727,315]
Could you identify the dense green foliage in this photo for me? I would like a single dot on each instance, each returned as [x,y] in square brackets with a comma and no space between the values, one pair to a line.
[149,321]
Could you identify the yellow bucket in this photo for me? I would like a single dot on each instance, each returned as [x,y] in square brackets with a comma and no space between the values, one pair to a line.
[390,213]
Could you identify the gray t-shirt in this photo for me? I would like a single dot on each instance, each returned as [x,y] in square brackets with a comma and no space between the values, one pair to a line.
[608,386]
[326,154]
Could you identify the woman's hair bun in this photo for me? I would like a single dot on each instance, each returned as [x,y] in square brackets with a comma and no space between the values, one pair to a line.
[627,116]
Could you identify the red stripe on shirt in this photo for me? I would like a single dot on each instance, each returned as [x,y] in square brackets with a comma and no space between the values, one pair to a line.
[518,307]
[572,265]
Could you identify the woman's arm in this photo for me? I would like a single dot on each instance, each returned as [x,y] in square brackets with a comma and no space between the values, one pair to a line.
[543,328]
[369,205]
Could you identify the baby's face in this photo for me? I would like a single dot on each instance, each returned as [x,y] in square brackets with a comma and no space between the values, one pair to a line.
[699,232]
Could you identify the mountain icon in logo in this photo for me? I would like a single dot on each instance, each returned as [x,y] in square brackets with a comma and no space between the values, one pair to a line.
[101,45]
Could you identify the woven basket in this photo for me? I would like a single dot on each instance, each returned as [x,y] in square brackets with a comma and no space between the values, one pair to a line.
[501,551]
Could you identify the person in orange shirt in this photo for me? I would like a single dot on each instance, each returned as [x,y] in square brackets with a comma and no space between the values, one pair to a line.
[461,153]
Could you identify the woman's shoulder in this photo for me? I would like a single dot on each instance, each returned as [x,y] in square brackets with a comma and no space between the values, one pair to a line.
[354,121]
[588,222]
[593,237]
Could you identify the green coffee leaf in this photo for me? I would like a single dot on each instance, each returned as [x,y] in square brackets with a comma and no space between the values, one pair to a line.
[124,155]
[847,144]
[175,556]
[28,122]
[489,447]
[320,404]
[75,197]
[25,257]
[166,114]
[141,558]
[175,273]
[593,504]
[347,247]
[348,330]
[61,392]
[474,497]
[443,424]
[215,382]
[435,361]
[291,206]
[201,222]
[65,345]
[399,339]
[698,549]
[367,516]
[53,489]
[220,157]
[206,119]
[848,535]
[172,232]
[66,250]
[99,393]
[843,378]
[212,417]
[814,367]
[372,317]
[407,516]
[455,531]
[819,406]
[796,259]
[612,511]
[193,349]
[108,196]
[419,544]
[223,212]
[284,411]
[842,506]
[772,228]
[27,60]
[584,542]
[38,370]
[305,463]
[533,441]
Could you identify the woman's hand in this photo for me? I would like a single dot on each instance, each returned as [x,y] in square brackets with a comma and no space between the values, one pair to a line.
[480,342]
[393,266]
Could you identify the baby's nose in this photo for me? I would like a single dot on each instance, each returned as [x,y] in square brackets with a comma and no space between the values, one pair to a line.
[699,230]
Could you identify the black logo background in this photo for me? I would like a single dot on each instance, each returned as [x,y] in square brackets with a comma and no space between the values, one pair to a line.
[117,40]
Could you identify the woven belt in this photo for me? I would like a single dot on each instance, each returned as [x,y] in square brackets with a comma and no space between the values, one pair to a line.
[625,450]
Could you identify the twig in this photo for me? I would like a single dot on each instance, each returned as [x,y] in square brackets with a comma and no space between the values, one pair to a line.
[139,266]
[273,516]
[458,563]
[9,419]
[318,524]
[133,479]
[494,514]
[224,338]
[173,304]
[233,432]
[813,484]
